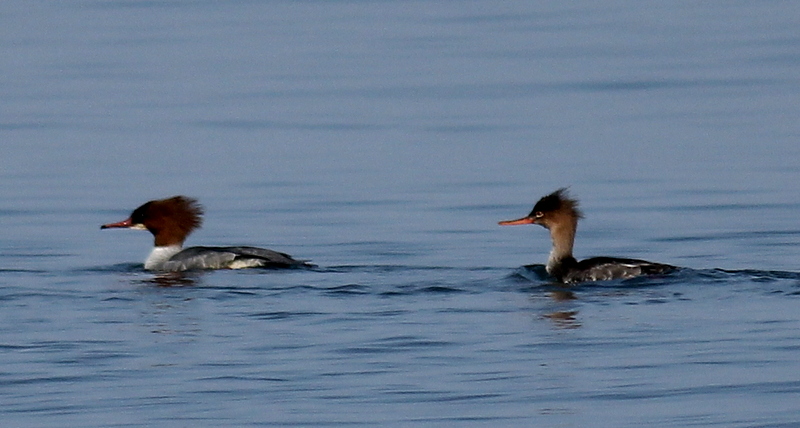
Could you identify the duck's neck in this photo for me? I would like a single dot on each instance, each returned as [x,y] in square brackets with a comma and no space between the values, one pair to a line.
[161,254]
[563,236]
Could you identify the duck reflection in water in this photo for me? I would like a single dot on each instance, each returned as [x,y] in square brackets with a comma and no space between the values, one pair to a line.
[171,279]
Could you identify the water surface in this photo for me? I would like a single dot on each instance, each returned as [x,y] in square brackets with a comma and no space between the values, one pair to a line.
[383,141]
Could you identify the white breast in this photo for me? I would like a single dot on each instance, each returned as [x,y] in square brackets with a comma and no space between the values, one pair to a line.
[159,255]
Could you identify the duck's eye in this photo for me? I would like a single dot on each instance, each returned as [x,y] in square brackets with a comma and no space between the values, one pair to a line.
[538,214]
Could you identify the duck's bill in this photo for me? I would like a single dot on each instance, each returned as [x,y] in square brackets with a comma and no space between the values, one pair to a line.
[523,220]
[127,224]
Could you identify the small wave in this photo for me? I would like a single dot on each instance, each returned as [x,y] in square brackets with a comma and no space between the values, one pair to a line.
[759,275]
[347,289]
[12,270]
[119,267]
[282,315]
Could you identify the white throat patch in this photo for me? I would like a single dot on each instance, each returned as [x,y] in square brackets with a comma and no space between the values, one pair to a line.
[159,255]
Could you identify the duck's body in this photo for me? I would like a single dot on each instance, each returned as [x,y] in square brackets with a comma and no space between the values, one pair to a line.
[172,220]
[604,269]
[175,259]
[560,214]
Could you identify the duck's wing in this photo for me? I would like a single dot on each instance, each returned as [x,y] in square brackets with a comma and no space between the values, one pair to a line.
[194,258]
[609,268]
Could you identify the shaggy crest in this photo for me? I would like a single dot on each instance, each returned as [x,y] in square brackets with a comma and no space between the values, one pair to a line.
[558,200]
[179,215]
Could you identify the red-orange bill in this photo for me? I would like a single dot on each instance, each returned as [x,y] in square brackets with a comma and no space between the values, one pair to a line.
[123,223]
[523,220]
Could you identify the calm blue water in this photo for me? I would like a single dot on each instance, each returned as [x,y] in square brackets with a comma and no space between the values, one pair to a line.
[383,141]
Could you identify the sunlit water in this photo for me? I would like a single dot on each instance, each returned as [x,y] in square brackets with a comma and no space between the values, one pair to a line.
[383,141]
